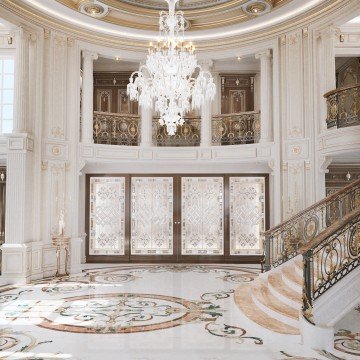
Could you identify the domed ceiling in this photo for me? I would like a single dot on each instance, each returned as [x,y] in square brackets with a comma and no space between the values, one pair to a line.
[200,14]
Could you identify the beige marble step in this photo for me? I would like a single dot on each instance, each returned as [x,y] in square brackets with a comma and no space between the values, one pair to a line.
[277,284]
[262,293]
[298,262]
[290,273]
[244,301]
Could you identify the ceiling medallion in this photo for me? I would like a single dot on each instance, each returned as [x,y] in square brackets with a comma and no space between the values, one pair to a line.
[257,7]
[167,78]
[93,8]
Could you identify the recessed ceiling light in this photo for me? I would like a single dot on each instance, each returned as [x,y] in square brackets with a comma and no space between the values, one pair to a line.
[93,8]
[238,58]
[257,7]
[117,58]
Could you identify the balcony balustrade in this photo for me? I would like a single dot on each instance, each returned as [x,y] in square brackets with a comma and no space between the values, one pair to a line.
[186,135]
[227,129]
[116,129]
[343,107]
[234,129]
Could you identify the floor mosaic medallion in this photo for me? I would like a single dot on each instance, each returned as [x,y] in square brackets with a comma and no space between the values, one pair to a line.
[125,313]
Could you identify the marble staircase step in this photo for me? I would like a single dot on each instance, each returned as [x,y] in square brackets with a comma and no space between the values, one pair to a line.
[280,289]
[244,300]
[298,267]
[271,305]
[291,277]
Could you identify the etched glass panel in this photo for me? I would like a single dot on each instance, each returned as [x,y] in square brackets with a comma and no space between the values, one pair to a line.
[152,215]
[202,206]
[107,216]
[247,215]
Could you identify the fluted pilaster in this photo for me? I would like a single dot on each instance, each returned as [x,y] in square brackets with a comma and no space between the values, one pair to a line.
[87,96]
[21,85]
[19,189]
[265,94]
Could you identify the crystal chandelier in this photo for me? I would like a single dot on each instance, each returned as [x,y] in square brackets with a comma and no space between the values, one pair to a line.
[167,80]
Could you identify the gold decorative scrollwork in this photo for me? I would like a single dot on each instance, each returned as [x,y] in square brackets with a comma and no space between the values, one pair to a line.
[343,106]
[116,129]
[187,134]
[233,129]
[298,231]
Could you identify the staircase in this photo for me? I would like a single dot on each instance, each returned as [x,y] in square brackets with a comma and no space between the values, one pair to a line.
[275,299]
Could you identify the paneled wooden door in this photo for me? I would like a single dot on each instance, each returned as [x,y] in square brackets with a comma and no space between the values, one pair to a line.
[175,218]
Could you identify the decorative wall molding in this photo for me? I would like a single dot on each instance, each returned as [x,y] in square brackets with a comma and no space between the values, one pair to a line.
[339,141]
[55,150]
[237,153]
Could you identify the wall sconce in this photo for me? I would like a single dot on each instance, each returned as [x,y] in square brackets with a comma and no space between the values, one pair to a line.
[348,176]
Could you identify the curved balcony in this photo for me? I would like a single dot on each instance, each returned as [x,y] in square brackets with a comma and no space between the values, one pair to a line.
[227,129]
[343,107]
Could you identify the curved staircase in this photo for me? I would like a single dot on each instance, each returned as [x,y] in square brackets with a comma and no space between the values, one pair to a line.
[273,300]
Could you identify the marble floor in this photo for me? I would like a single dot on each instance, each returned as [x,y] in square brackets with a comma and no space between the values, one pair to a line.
[140,312]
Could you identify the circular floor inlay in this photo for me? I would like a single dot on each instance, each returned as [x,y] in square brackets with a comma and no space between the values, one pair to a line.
[122,313]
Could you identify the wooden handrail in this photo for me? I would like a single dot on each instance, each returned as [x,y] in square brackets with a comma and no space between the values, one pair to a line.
[116,114]
[340,90]
[321,202]
[235,114]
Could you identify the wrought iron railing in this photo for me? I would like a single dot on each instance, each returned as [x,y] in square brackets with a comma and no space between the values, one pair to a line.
[116,129]
[186,135]
[233,129]
[343,106]
[329,258]
[284,241]
[124,129]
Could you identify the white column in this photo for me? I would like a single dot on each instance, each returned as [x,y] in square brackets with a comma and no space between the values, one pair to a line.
[216,105]
[146,126]
[257,92]
[17,252]
[265,94]
[326,71]
[206,113]
[87,96]
[21,81]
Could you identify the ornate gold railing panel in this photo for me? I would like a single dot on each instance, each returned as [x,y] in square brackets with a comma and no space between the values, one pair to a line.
[116,129]
[343,106]
[186,135]
[330,257]
[284,241]
[124,129]
[234,129]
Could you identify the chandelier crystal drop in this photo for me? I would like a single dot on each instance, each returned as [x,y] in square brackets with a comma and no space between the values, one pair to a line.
[167,80]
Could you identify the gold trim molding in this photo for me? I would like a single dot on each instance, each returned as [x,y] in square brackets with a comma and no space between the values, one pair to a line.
[17,12]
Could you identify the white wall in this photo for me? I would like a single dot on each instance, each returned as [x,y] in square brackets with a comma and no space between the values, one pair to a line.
[47,157]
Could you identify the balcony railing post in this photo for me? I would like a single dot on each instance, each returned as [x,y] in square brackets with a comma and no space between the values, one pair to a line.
[267,246]
[308,285]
